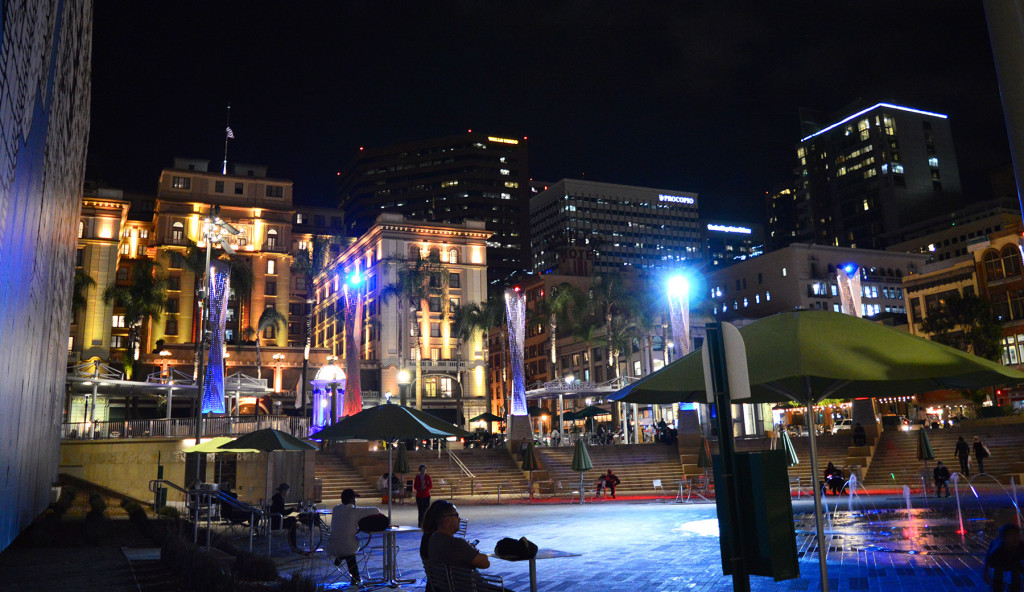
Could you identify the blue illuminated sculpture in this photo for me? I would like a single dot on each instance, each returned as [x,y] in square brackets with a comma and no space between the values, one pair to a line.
[213,385]
[515,307]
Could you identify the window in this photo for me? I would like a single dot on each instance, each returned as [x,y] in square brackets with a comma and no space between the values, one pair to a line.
[636,368]
[171,327]
[435,329]
[81,228]
[993,265]
[143,233]
[140,251]
[177,232]
[271,239]
[435,306]
[171,306]
[271,288]
[933,162]
[453,256]
[275,191]
[1011,261]
[173,282]
[118,341]
[454,280]
[218,186]
[181,182]
[117,321]
[126,249]
[271,266]
[783,272]
[270,332]
[300,219]
[300,283]
[435,353]
[80,258]
[239,188]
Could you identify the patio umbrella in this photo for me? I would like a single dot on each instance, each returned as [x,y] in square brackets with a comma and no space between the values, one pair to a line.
[401,462]
[214,446]
[531,463]
[924,450]
[580,463]
[789,449]
[489,417]
[569,416]
[268,440]
[811,355]
[590,412]
[534,411]
[389,422]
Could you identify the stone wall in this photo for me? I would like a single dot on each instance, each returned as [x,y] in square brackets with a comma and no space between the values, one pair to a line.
[127,466]
[45,55]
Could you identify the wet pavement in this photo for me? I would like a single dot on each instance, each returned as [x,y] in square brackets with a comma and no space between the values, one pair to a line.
[649,545]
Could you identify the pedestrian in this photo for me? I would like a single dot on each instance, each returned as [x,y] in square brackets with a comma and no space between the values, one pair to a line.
[981,452]
[1005,554]
[941,475]
[422,485]
[345,519]
[963,454]
[610,481]
[860,437]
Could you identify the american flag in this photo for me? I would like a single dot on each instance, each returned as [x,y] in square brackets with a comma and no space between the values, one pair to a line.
[231,134]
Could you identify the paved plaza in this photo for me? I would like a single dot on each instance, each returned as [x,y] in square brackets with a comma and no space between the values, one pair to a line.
[646,545]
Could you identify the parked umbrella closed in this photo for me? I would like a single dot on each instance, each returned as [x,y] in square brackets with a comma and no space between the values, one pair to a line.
[531,463]
[580,463]
[924,452]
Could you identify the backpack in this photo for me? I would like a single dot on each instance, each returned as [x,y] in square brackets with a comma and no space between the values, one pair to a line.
[374,523]
[521,549]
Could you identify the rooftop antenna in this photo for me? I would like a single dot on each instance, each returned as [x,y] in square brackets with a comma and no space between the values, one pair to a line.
[228,135]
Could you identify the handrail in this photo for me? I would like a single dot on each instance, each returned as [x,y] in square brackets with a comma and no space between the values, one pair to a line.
[155,483]
[463,469]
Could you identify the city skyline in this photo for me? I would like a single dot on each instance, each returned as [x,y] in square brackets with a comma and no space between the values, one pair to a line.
[702,98]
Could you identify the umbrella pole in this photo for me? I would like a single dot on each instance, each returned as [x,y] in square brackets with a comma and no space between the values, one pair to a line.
[581,488]
[817,490]
[391,494]
[266,503]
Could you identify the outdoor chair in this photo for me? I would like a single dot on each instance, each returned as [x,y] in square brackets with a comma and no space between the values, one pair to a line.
[656,485]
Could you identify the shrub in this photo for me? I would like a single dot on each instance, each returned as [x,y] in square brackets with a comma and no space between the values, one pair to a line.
[170,512]
[298,583]
[95,522]
[136,514]
[255,568]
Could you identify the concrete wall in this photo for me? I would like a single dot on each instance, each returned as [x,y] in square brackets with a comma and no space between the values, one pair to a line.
[45,57]
[128,466]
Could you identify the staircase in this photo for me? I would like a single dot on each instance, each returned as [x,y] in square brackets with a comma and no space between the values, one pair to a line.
[491,467]
[636,465]
[897,453]
[338,475]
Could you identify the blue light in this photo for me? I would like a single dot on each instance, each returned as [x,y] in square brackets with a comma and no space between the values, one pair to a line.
[859,113]
[850,269]
[678,286]
[354,279]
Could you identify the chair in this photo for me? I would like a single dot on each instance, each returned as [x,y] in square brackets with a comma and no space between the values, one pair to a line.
[463,526]
[656,486]
[470,580]
[437,577]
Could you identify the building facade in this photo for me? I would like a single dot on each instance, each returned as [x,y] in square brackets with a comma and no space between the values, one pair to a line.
[471,176]
[622,225]
[726,242]
[947,237]
[863,177]
[398,331]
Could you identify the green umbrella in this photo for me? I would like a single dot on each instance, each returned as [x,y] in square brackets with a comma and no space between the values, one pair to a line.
[389,422]
[531,463]
[214,446]
[486,417]
[581,462]
[535,411]
[789,449]
[569,416]
[810,355]
[402,460]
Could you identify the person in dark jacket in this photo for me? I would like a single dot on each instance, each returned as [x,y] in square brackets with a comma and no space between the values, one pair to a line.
[963,454]
[610,481]
[1005,554]
[860,437]
[980,453]
[941,475]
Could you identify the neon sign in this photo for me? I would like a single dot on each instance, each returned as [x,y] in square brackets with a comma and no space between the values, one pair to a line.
[502,140]
[734,229]
[676,199]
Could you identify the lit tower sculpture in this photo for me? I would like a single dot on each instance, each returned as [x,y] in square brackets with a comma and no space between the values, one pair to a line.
[679,312]
[519,419]
[353,339]
[848,278]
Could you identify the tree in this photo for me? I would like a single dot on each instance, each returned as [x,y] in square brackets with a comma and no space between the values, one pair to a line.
[192,260]
[142,299]
[310,262]
[270,317]
[557,306]
[606,300]
[465,320]
[80,292]
[242,280]
[493,316]
[966,322]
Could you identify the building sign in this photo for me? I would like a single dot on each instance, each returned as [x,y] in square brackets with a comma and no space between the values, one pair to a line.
[677,199]
[502,140]
[576,385]
[733,229]
[576,261]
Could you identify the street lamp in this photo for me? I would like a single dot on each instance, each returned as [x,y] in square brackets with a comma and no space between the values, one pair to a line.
[278,373]
[403,383]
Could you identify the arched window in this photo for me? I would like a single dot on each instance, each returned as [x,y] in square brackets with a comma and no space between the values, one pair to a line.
[414,253]
[435,253]
[453,256]
[271,239]
[993,266]
[1011,261]
[177,232]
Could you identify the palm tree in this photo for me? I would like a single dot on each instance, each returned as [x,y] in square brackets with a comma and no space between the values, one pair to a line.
[557,305]
[142,299]
[242,280]
[80,292]
[493,316]
[466,321]
[269,318]
[606,300]
[417,281]
[310,262]
[192,260]
[588,332]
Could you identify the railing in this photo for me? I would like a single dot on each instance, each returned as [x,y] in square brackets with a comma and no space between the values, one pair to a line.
[183,427]
[453,459]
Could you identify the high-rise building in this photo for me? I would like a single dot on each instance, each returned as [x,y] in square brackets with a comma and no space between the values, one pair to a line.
[471,176]
[614,225]
[728,242]
[863,177]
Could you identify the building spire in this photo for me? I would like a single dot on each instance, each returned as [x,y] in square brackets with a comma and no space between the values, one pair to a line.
[228,135]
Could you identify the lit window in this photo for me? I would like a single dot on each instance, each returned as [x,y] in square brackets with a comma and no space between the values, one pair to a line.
[783,272]
[866,206]
[299,219]
[271,266]
[768,296]
[897,168]
[143,233]
[933,162]
[504,171]
[181,182]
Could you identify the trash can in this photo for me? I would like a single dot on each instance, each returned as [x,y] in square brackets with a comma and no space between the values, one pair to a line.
[318,489]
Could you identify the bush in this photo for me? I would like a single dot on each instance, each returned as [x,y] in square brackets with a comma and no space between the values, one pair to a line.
[136,514]
[298,583]
[95,522]
[251,567]
[170,512]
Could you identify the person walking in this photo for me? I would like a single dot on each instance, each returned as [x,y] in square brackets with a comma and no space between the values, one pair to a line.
[941,475]
[610,481]
[422,485]
[1005,554]
[963,454]
[981,452]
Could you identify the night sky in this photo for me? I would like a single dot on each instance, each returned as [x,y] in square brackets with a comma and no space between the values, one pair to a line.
[685,95]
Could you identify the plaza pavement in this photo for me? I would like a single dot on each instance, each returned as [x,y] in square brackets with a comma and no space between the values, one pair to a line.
[641,545]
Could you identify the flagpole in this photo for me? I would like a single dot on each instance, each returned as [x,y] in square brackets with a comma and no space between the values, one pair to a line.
[226,138]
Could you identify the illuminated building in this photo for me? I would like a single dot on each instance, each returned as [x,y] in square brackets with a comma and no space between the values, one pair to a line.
[581,227]
[472,176]
[450,375]
[726,242]
[865,175]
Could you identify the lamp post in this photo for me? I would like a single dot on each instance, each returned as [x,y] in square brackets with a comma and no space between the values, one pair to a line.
[278,360]
[403,385]
[333,392]
[164,361]
[668,351]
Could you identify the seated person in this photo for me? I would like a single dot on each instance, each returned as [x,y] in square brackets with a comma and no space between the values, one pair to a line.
[833,478]
[941,476]
[345,519]
[285,520]
[228,511]
[599,486]
[445,549]
[397,490]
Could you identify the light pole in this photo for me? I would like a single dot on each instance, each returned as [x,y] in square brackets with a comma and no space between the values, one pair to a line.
[403,385]
[334,391]
[278,360]
[164,355]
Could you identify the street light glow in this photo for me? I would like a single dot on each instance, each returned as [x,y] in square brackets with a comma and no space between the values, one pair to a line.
[678,286]
[354,279]
[403,377]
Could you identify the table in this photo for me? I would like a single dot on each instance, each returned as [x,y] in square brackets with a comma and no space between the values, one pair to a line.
[390,563]
[541,554]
